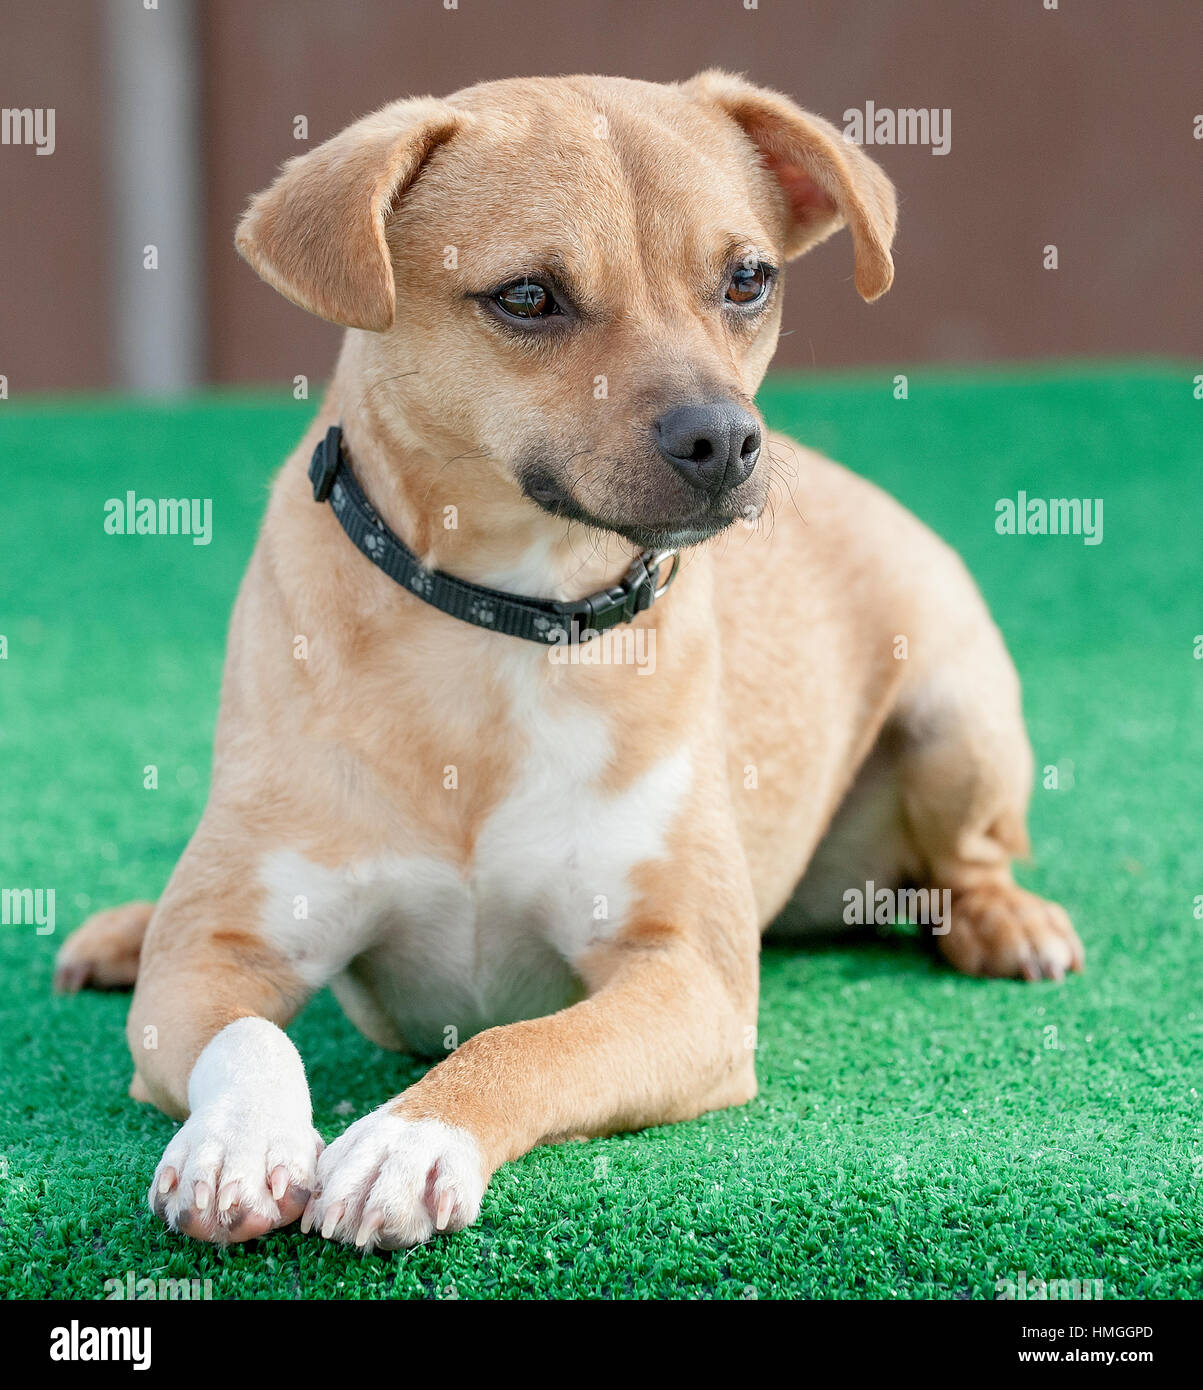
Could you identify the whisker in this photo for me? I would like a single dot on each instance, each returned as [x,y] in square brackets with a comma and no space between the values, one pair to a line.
[384,381]
[467,454]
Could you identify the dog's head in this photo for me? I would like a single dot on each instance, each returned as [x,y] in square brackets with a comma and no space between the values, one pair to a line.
[578,279]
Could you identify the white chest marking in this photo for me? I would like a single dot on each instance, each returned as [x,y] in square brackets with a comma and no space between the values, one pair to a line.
[428,947]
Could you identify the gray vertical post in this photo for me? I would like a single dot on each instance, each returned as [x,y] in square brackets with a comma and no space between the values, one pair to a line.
[154,178]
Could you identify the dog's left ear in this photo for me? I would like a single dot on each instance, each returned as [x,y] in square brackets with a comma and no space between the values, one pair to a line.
[827,180]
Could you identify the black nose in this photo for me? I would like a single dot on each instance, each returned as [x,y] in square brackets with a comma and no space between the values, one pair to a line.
[713,446]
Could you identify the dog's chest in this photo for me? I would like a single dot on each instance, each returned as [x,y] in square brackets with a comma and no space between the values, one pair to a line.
[423,952]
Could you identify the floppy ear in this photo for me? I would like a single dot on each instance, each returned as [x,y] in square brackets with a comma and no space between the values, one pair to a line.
[827,180]
[317,234]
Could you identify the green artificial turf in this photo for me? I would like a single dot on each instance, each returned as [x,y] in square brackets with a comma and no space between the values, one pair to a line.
[916,1134]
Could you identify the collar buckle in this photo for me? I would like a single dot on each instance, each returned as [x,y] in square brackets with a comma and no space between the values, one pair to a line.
[638,589]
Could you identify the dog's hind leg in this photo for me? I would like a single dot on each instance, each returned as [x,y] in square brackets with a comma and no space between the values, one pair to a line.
[865,842]
[104,952]
[965,775]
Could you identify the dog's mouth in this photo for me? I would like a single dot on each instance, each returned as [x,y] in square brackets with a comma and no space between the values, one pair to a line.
[676,533]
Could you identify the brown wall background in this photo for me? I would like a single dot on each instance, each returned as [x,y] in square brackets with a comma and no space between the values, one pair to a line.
[1073,126]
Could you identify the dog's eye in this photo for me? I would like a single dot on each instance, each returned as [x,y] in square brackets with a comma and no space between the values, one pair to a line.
[748,284]
[527,299]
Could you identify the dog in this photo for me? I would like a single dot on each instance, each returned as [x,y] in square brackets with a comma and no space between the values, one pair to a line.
[429,794]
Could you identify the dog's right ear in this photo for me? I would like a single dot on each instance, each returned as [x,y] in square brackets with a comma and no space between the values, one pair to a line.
[317,234]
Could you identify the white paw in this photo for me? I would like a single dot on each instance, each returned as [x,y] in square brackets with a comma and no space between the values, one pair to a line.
[392,1182]
[235,1171]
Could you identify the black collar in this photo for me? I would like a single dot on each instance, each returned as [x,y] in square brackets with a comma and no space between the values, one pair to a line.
[536,619]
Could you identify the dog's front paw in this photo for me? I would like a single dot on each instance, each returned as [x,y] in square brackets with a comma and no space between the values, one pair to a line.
[392,1182]
[233,1173]
[1001,929]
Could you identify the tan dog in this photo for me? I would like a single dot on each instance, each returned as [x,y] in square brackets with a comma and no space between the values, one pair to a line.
[563,295]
